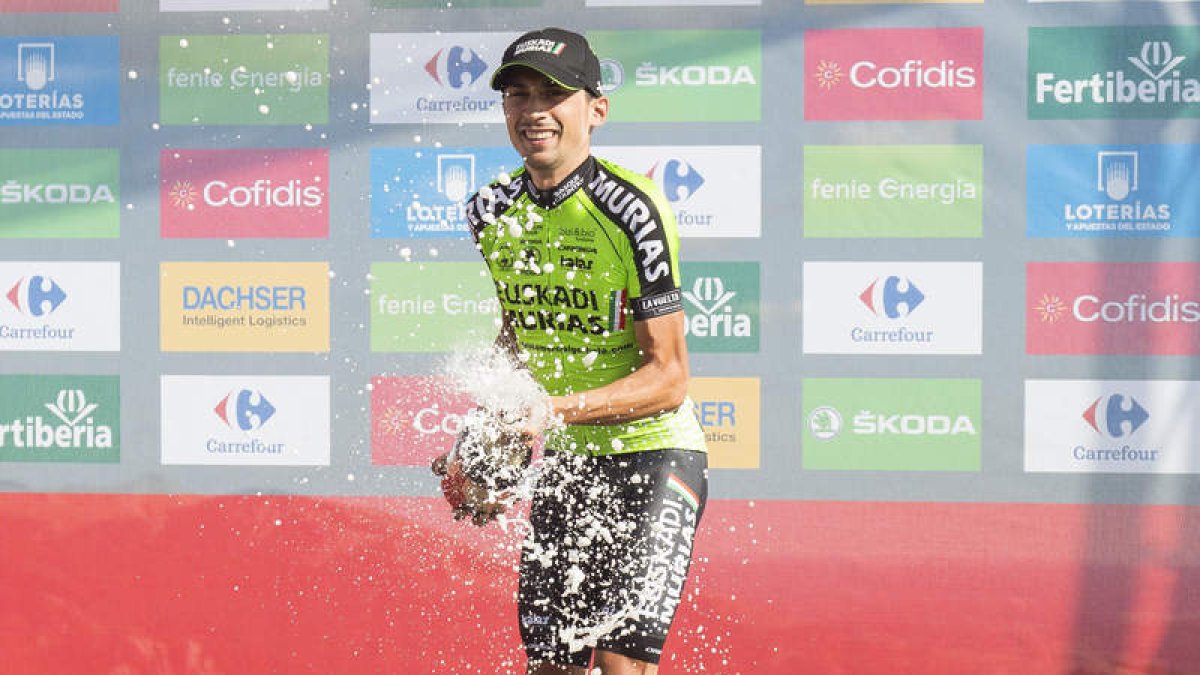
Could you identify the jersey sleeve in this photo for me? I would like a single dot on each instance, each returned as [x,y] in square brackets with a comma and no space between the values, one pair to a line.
[639,209]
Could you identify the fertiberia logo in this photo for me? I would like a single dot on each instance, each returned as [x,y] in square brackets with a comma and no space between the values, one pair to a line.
[51,418]
[722,304]
[893,74]
[1114,72]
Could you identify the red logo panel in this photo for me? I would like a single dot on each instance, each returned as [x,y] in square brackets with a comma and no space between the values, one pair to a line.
[1112,308]
[244,193]
[893,74]
[57,6]
[414,419]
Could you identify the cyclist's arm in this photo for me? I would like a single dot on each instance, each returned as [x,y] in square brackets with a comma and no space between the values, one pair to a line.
[658,385]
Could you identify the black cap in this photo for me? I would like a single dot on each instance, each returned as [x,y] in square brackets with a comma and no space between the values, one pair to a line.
[559,54]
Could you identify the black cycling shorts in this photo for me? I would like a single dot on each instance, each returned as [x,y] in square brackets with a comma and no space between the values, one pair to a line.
[606,560]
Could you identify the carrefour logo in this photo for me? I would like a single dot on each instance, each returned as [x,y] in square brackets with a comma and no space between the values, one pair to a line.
[435,77]
[280,420]
[928,73]
[245,409]
[36,295]
[1127,71]
[677,179]
[891,297]
[456,67]
[892,308]
[1116,415]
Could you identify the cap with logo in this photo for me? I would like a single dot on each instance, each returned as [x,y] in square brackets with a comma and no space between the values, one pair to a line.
[559,54]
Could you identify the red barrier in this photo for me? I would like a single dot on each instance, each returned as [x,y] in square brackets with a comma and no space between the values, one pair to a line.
[276,584]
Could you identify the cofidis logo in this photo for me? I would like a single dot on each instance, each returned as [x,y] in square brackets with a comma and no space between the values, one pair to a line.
[893,191]
[893,308]
[244,193]
[722,302]
[244,79]
[730,410]
[422,193]
[436,77]
[892,424]
[1111,426]
[893,74]
[1112,191]
[60,418]
[244,307]
[1114,72]
[245,420]
[1112,308]
[431,307]
[59,193]
[60,306]
[713,190]
[681,76]
[414,419]
[59,80]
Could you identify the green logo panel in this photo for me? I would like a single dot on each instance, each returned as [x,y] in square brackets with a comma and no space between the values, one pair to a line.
[1135,72]
[681,76]
[721,300]
[858,191]
[60,193]
[60,418]
[244,79]
[892,424]
[431,307]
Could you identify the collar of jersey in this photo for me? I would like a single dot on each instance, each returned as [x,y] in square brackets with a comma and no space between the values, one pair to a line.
[552,197]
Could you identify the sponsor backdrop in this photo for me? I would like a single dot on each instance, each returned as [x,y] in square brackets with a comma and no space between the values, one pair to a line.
[941,267]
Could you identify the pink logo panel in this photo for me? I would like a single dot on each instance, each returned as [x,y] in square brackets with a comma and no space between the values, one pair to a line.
[893,74]
[414,419]
[63,6]
[1112,308]
[244,193]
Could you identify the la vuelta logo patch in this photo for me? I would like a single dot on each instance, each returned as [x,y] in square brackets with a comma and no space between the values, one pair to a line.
[893,74]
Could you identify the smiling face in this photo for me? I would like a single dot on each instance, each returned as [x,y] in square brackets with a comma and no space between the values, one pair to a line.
[549,125]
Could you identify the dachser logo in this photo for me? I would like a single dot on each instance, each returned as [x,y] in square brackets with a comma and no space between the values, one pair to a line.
[1113,308]
[244,307]
[244,193]
[730,410]
[900,74]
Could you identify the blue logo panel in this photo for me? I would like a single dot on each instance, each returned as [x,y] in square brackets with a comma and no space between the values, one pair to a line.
[59,80]
[1112,191]
[421,192]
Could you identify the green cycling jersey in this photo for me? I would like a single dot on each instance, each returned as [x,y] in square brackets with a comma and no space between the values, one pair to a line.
[574,266]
